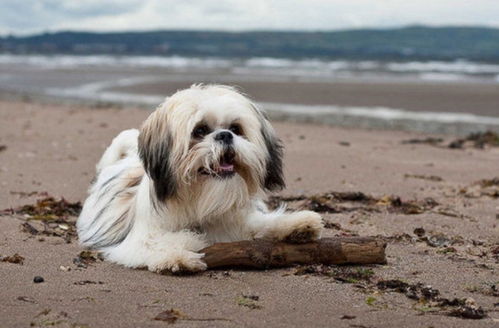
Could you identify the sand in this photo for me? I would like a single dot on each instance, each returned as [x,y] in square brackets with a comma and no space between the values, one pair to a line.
[54,148]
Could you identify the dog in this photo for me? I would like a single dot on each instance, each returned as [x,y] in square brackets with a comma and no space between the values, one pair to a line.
[196,173]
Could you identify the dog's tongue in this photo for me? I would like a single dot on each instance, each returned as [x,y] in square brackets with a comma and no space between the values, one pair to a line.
[226,167]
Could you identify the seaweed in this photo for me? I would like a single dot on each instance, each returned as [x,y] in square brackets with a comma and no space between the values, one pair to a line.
[478,140]
[249,301]
[48,217]
[339,273]
[15,259]
[427,295]
[341,202]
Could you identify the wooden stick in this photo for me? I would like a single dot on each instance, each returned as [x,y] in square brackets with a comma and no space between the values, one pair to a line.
[262,254]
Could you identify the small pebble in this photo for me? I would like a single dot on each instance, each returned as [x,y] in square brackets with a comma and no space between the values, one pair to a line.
[38,279]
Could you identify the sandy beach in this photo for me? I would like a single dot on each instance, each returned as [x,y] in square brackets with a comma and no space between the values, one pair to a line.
[449,240]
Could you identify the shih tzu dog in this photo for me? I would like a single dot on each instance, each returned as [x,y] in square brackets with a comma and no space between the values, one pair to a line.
[195,174]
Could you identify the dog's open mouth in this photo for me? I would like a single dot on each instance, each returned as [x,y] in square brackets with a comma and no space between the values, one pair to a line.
[225,168]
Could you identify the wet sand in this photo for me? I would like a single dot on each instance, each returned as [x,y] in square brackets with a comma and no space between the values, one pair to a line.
[54,149]
[478,99]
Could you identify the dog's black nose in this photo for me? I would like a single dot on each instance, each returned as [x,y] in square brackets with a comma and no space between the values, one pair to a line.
[224,137]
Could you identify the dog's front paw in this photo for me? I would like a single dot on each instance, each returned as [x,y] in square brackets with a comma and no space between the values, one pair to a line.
[299,227]
[183,262]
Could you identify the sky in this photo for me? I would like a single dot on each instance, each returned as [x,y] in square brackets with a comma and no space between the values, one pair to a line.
[21,17]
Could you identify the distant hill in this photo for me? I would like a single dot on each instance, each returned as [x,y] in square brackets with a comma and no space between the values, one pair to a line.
[409,43]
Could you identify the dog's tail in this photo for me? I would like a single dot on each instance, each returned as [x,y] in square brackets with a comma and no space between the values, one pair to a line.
[123,145]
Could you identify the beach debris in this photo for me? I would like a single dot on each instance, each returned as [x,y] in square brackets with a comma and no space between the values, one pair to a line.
[170,316]
[86,258]
[342,274]
[332,225]
[370,300]
[468,310]
[420,232]
[48,217]
[479,140]
[424,177]
[484,187]
[46,209]
[438,240]
[249,301]
[26,299]
[173,315]
[487,289]
[3,148]
[88,282]
[340,202]
[38,279]
[430,298]
[26,194]
[16,259]
[347,317]
[427,141]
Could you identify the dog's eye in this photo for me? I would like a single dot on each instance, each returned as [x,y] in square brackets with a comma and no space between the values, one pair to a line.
[236,129]
[200,131]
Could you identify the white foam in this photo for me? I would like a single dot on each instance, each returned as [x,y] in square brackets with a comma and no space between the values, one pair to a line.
[383,113]
[431,70]
[458,66]
[442,76]
[70,61]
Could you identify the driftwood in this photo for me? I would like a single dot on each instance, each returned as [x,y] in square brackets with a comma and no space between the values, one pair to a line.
[261,254]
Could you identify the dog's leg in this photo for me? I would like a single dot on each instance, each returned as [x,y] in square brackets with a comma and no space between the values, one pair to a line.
[170,251]
[123,145]
[295,227]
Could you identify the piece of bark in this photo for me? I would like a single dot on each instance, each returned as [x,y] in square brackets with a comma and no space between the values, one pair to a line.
[261,254]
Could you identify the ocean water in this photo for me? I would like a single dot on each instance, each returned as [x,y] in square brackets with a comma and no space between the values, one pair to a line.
[99,78]
[431,70]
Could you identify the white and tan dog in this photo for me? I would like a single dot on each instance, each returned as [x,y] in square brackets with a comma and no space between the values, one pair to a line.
[195,174]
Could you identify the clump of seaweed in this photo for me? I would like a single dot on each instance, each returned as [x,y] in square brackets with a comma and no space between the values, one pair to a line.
[48,217]
[249,301]
[465,308]
[339,273]
[427,141]
[341,202]
[15,259]
[484,187]
[478,140]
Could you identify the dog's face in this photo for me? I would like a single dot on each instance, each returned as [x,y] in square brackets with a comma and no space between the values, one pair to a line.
[213,139]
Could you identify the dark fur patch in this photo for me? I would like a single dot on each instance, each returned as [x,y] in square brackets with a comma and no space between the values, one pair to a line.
[274,179]
[155,155]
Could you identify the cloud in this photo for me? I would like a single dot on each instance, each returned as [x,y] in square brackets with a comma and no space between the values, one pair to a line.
[115,15]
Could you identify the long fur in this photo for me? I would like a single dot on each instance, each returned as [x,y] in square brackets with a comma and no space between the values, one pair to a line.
[160,193]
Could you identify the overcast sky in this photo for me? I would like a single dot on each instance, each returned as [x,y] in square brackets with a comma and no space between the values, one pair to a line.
[32,16]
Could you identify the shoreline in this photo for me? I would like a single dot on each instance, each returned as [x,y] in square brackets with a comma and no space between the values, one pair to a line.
[377,118]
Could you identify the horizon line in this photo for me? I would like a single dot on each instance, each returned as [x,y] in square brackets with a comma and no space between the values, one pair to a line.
[263,30]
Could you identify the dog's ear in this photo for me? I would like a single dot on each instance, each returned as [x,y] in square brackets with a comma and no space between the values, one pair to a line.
[274,178]
[155,152]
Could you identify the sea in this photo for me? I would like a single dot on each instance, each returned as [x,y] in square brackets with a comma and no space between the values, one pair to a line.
[120,80]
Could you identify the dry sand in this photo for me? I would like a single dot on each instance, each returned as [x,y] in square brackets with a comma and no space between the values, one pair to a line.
[54,149]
